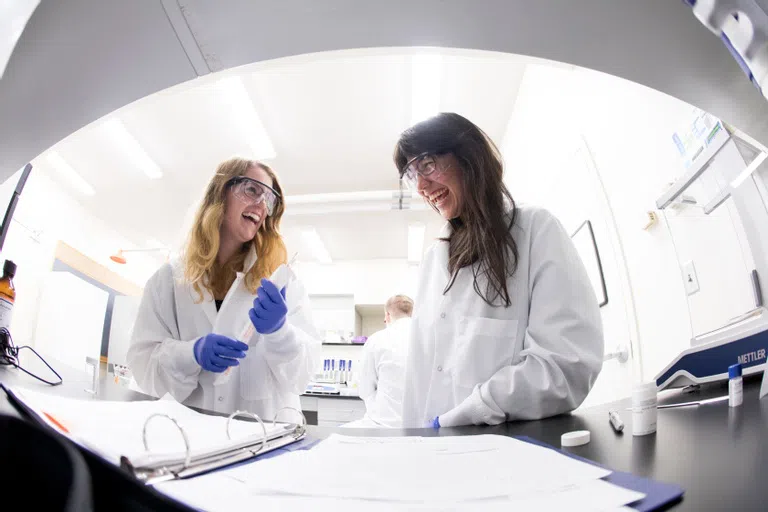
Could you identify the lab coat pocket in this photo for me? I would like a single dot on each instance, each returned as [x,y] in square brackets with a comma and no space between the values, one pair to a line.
[483,346]
[254,375]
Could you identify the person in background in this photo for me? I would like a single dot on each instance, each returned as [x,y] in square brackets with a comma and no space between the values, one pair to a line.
[383,367]
[506,324]
[192,310]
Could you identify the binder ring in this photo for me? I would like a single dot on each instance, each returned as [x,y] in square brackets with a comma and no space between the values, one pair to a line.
[188,455]
[254,416]
[302,428]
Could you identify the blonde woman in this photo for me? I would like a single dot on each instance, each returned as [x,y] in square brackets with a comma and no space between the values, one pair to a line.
[184,338]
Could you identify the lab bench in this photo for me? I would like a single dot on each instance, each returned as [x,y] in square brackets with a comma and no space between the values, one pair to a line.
[331,410]
[718,454]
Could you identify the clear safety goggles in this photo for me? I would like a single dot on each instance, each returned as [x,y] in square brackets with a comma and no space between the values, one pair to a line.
[252,191]
[424,165]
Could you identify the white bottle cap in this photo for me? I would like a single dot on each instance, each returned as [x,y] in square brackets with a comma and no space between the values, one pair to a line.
[575,438]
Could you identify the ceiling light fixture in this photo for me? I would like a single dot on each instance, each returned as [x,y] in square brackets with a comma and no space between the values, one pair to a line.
[234,96]
[416,233]
[361,201]
[426,71]
[316,245]
[131,148]
[66,171]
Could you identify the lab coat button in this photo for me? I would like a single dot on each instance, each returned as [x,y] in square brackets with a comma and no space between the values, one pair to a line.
[439,368]
[221,399]
[442,315]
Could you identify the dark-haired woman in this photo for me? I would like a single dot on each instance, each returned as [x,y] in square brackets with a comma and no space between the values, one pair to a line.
[506,325]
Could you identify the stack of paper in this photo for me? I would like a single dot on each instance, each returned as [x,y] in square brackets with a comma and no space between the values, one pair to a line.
[373,474]
[114,429]
[409,473]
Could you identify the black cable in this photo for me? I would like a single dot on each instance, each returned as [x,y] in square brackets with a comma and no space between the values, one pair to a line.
[9,356]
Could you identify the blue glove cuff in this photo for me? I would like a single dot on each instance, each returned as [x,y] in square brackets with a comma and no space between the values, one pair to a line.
[276,327]
[196,349]
[436,422]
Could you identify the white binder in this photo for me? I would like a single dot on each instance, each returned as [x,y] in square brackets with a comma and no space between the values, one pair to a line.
[133,435]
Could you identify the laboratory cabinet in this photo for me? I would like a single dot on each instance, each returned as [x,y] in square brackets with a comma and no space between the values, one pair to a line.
[331,411]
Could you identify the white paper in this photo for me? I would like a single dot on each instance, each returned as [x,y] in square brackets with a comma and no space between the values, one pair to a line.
[218,491]
[416,469]
[113,429]
[212,491]
[378,474]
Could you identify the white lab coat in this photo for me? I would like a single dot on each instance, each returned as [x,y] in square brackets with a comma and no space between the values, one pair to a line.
[275,370]
[383,374]
[472,363]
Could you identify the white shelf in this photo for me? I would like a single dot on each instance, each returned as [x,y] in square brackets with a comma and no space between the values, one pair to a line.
[748,152]
[699,165]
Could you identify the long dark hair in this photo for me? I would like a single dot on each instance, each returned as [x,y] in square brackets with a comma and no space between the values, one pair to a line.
[481,237]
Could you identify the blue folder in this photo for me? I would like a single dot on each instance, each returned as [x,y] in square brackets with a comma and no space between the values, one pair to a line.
[657,494]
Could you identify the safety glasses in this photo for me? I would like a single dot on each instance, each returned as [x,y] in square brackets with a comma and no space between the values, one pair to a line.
[252,191]
[423,165]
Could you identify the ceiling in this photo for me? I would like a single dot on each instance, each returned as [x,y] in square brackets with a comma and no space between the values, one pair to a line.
[333,120]
[78,60]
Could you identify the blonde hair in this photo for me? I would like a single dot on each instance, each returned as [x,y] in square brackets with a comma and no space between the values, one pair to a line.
[399,306]
[201,268]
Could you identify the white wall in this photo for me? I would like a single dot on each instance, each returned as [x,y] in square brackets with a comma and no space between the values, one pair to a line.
[628,128]
[47,213]
[124,312]
[548,164]
[70,322]
[370,281]
[627,132]
[372,324]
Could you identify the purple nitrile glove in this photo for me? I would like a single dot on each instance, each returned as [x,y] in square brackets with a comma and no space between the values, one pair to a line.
[216,353]
[269,308]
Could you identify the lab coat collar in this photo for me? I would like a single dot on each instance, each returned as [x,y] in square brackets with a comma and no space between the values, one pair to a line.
[209,307]
[441,248]
[398,321]
[250,260]
[446,230]
[441,251]
[209,304]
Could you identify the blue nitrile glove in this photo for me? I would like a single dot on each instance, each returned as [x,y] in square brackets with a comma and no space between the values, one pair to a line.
[436,422]
[269,308]
[216,353]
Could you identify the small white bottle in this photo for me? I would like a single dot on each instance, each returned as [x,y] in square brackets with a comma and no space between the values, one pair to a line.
[735,386]
[644,409]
